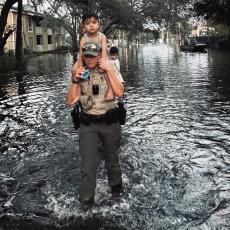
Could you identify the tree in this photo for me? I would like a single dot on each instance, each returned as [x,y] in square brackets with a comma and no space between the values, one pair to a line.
[4,34]
[19,41]
[217,10]
[119,14]
[113,14]
[166,13]
[65,14]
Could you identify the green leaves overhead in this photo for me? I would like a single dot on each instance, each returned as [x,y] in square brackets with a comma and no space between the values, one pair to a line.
[124,14]
[120,14]
[217,10]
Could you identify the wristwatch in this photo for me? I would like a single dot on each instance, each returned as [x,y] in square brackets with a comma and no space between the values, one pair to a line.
[75,81]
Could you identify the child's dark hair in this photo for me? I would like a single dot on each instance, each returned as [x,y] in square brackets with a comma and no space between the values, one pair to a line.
[89,15]
[113,50]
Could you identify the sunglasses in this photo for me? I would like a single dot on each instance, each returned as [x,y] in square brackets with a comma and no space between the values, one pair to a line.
[90,49]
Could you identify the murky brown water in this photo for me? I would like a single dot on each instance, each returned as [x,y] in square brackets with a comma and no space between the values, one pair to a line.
[175,147]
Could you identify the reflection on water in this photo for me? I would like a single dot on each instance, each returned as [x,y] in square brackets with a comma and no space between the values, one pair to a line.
[174,153]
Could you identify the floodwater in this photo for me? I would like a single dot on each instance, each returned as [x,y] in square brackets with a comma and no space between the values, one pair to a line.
[174,151]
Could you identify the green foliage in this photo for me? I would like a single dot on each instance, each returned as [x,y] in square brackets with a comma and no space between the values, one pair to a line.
[7,62]
[121,14]
[217,10]
[130,16]
[222,30]
[168,13]
[218,29]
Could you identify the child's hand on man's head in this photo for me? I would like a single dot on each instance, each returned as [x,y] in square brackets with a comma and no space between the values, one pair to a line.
[104,64]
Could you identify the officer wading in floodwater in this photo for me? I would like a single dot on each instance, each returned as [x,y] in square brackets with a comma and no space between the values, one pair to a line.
[99,120]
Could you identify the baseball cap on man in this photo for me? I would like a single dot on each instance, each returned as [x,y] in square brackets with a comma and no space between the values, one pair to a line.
[91,48]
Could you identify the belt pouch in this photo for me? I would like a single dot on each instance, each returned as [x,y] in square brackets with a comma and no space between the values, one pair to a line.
[84,118]
[111,116]
[75,116]
[86,102]
[122,112]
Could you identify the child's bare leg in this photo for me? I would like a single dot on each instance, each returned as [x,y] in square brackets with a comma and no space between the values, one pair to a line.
[78,95]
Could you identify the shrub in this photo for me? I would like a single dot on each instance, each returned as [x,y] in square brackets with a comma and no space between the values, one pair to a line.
[7,62]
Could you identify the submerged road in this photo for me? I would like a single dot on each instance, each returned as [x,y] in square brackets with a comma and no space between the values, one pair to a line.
[174,153]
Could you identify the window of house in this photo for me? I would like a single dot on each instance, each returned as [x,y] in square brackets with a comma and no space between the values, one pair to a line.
[50,39]
[30,24]
[39,39]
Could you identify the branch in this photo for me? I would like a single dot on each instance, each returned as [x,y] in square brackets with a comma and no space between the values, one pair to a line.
[109,25]
[4,14]
[7,34]
[54,11]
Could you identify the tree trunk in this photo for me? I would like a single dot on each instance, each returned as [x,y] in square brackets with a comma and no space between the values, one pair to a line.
[1,47]
[3,20]
[75,46]
[19,41]
[2,44]
[4,39]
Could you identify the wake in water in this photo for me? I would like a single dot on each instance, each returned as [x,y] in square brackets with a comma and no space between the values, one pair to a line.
[174,153]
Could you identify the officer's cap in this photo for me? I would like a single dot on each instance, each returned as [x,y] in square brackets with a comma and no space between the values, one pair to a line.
[91,48]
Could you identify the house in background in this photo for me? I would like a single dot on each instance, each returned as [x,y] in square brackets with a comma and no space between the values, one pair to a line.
[200,30]
[203,29]
[36,37]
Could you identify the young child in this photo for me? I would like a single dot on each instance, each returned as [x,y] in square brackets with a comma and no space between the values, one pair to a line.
[113,52]
[91,26]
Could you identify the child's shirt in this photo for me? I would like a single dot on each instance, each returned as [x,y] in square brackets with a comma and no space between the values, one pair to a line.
[87,39]
[116,62]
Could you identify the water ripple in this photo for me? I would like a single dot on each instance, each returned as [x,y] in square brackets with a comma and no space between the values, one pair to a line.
[174,153]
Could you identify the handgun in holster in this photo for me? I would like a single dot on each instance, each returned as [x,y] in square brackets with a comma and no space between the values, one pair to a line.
[75,114]
[122,111]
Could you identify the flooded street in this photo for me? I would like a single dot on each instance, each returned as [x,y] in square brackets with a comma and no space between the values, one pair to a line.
[174,153]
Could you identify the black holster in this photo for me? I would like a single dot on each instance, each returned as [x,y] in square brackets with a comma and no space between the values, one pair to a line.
[76,116]
[112,116]
[122,112]
[84,118]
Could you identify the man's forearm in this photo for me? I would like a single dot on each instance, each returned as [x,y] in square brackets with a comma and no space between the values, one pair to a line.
[71,93]
[74,69]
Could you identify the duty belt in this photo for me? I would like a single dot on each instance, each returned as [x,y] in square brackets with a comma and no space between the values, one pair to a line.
[111,116]
[95,118]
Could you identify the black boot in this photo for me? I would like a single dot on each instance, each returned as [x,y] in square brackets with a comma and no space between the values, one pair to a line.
[116,190]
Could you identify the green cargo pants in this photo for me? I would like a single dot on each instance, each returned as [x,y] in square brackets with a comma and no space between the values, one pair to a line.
[89,137]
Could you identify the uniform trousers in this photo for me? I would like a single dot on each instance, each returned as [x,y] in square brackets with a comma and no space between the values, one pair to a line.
[89,136]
